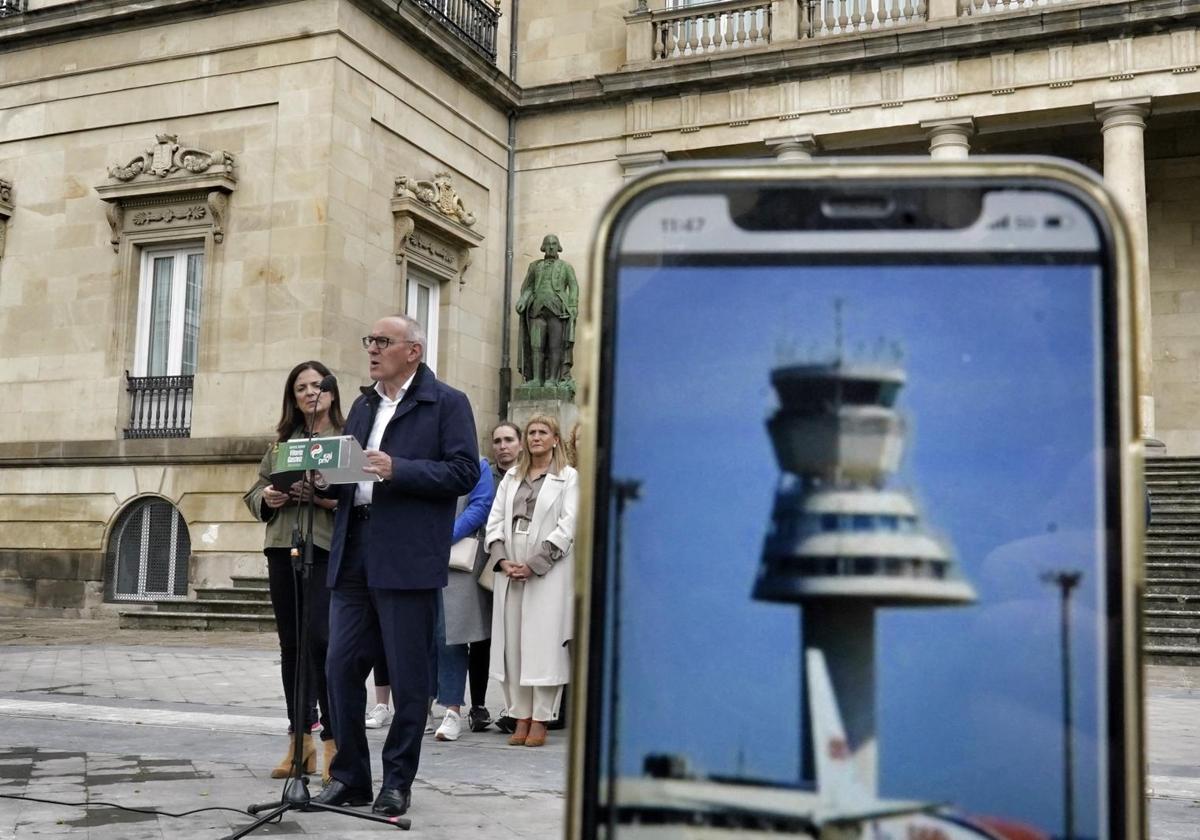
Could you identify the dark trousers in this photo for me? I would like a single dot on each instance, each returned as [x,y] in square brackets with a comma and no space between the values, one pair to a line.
[379,670]
[479,654]
[288,597]
[362,618]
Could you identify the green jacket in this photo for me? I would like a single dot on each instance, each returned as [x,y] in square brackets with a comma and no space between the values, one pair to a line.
[281,522]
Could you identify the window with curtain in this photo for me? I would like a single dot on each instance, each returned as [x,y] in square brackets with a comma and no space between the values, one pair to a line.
[421,303]
[168,325]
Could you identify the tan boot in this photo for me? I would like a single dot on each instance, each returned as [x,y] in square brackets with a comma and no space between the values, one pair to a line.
[537,734]
[517,739]
[284,768]
[330,752]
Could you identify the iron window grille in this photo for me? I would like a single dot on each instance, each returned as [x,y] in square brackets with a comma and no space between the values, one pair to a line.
[148,551]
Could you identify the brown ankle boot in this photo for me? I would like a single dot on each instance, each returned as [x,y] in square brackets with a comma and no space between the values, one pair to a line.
[330,752]
[537,734]
[284,768]
[517,739]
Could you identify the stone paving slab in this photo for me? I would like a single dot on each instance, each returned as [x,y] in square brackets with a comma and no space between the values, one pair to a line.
[179,720]
[182,720]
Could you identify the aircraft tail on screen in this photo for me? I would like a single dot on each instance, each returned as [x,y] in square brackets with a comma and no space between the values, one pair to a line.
[837,782]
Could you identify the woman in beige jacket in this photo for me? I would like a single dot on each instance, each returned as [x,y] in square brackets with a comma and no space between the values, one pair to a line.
[530,538]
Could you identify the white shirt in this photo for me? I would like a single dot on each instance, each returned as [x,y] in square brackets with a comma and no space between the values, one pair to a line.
[383,416]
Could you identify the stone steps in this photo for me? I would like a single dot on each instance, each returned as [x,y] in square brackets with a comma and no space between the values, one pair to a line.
[1175,603]
[1174,586]
[222,607]
[1156,547]
[1164,655]
[1156,464]
[149,620]
[1185,510]
[1162,516]
[1167,571]
[1177,531]
[230,593]
[1171,604]
[1172,618]
[246,606]
[1186,637]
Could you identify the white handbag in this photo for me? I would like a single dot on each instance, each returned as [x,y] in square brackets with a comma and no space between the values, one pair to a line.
[462,554]
[487,577]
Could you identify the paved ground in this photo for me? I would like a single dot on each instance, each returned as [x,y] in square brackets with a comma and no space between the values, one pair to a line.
[1173,723]
[179,721]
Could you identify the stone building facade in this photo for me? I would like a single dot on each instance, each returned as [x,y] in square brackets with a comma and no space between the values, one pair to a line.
[195,195]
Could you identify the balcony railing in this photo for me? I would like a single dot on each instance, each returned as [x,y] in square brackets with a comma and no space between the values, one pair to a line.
[991,7]
[159,406]
[711,28]
[823,18]
[723,27]
[474,21]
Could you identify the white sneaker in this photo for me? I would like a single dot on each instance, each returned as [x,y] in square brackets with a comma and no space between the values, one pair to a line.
[430,725]
[450,728]
[379,717]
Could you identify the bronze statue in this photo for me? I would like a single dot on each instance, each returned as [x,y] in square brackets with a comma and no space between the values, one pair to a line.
[548,305]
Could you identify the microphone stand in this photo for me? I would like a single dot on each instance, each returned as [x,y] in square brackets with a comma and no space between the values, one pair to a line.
[295,791]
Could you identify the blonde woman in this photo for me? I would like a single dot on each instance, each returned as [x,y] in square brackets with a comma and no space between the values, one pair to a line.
[530,538]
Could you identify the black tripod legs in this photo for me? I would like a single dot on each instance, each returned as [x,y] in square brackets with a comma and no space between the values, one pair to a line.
[400,822]
[296,798]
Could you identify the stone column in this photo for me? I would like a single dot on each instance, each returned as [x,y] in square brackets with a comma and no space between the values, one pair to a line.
[949,139]
[634,164]
[793,148]
[1123,122]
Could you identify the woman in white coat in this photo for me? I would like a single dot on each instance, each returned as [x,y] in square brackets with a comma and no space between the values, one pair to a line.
[530,538]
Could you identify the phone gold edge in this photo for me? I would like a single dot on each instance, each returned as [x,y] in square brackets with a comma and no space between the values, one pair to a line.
[1131,466]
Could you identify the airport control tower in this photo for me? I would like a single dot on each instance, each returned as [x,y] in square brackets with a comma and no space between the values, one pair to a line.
[841,544]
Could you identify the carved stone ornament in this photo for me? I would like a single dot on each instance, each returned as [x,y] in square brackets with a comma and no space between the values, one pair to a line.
[167,157]
[170,186]
[438,194]
[6,211]
[433,227]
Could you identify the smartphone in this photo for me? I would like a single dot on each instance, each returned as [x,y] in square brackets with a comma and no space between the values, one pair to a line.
[865,508]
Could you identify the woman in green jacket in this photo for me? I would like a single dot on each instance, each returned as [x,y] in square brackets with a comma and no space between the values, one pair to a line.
[305,408]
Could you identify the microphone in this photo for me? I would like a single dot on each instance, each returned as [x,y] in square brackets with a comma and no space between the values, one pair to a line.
[328,383]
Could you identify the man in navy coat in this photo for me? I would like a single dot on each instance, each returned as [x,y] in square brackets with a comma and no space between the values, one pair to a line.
[391,547]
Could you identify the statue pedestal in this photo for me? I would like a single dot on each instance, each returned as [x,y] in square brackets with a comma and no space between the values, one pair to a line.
[521,409]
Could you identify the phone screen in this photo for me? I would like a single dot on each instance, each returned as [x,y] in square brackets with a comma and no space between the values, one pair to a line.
[855,536]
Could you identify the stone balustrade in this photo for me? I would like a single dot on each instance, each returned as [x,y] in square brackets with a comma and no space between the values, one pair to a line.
[967,8]
[727,26]
[824,18]
[719,27]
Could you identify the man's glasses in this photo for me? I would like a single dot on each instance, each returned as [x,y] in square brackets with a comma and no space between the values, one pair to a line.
[383,342]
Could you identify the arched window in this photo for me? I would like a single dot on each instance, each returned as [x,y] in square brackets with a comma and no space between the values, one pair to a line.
[148,552]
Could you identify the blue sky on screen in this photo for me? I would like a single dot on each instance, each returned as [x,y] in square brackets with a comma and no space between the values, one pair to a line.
[1000,455]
